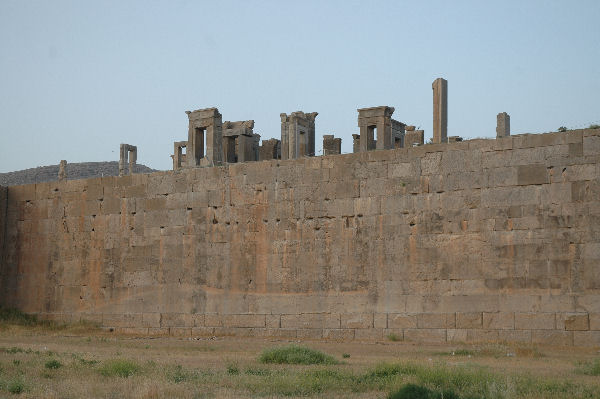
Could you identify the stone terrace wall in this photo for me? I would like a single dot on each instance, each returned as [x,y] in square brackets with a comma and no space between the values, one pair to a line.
[483,240]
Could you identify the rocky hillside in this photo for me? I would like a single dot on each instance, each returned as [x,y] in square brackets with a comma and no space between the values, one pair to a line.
[84,170]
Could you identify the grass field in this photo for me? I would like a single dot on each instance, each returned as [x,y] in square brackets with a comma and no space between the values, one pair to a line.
[45,360]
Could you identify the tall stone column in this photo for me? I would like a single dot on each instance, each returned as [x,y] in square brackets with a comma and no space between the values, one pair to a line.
[440,110]
[502,125]
[62,170]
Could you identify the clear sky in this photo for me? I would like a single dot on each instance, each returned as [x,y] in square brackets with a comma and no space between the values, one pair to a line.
[77,78]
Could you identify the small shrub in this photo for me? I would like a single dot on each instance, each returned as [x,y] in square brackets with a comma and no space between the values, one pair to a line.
[594,126]
[53,364]
[294,354]
[120,368]
[393,337]
[562,129]
[345,355]
[16,387]
[233,369]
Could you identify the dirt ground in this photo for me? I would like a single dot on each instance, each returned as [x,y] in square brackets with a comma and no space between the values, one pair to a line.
[225,367]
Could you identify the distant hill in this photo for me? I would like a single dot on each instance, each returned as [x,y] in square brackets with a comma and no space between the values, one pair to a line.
[83,170]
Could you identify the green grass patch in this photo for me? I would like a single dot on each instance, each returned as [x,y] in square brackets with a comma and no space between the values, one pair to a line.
[53,364]
[16,317]
[589,368]
[295,354]
[119,368]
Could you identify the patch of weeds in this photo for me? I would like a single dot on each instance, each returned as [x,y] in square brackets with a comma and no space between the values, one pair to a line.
[393,337]
[562,129]
[178,375]
[258,371]
[16,362]
[295,354]
[15,316]
[120,368]
[589,368]
[233,369]
[147,347]
[53,364]
[594,126]
[15,387]
[345,355]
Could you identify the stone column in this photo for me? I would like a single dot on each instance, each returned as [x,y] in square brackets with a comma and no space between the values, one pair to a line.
[502,125]
[62,170]
[440,110]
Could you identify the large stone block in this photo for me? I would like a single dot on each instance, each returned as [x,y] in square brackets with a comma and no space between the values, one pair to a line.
[535,321]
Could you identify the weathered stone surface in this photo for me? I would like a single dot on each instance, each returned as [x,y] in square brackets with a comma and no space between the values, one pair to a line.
[462,242]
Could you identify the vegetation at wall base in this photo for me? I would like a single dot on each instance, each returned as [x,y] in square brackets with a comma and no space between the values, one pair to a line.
[295,354]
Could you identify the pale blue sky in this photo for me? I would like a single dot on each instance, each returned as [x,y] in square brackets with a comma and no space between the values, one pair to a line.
[79,77]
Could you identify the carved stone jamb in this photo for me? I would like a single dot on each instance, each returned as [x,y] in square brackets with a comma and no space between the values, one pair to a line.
[179,158]
[502,125]
[298,134]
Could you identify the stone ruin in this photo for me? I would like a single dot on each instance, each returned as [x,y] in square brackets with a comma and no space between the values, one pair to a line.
[212,142]
[128,156]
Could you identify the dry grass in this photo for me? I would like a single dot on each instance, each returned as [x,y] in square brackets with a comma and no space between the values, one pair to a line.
[39,362]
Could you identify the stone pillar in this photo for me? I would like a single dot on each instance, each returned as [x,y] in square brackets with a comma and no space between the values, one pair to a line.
[356,143]
[62,170]
[205,125]
[331,145]
[440,110]
[375,118]
[297,134]
[502,125]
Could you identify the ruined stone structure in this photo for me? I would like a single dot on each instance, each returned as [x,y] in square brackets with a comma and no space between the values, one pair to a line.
[270,149]
[239,144]
[127,156]
[473,241]
[502,125]
[440,110]
[205,138]
[331,145]
[298,135]
[378,130]
[413,138]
